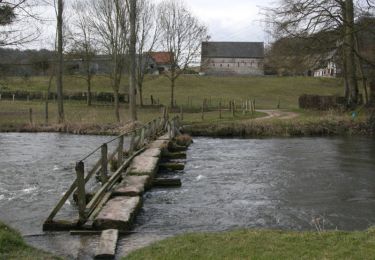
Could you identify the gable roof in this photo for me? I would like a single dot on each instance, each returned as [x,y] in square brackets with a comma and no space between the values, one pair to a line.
[232,49]
[161,58]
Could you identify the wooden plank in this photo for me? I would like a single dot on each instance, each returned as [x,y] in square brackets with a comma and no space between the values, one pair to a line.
[107,244]
[165,182]
[172,166]
[104,169]
[60,225]
[100,205]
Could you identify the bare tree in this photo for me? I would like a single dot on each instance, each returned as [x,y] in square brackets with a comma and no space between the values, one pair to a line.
[84,43]
[109,20]
[18,22]
[60,62]
[305,18]
[147,32]
[133,65]
[181,34]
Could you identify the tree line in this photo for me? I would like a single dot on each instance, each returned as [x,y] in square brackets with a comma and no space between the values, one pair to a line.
[124,30]
[307,28]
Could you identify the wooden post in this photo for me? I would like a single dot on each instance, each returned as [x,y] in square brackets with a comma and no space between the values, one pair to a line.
[13,97]
[278,104]
[254,105]
[120,151]
[80,171]
[132,143]
[232,102]
[104,171]
[142,139]
[202,116]
[220,116]
[152,100]
[31,116]
[181,113]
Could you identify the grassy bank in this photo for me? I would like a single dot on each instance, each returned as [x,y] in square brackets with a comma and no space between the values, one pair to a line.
[12,246]
[252,244]
[307,124]
[97,119]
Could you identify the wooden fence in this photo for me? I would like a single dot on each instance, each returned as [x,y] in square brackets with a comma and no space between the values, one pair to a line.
[139,138]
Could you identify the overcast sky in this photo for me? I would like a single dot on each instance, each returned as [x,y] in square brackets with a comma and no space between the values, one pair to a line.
[227,20]
[233,20]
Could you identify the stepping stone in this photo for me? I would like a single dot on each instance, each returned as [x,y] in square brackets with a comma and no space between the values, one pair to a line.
[118,213]
[132,186]
[107,244]
[142,165]
[161,144]
[152,152]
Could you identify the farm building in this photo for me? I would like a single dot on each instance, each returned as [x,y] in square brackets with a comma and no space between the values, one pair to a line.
[233,58]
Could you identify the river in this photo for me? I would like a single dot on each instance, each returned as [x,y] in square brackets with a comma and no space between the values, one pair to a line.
[278,183]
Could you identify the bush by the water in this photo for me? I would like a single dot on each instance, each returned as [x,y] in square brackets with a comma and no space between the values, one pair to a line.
[320,102]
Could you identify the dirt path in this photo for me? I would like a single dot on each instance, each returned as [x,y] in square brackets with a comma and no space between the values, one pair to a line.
[278,114]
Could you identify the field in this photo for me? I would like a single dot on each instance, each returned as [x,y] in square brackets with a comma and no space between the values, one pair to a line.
[190,91]
[267,91]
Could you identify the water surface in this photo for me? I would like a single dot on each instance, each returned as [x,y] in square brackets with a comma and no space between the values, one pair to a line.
[228,184]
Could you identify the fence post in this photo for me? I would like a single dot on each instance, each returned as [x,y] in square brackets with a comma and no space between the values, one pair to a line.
[142,140]
[278,104]
[202,116]
[13,97]
[232,102]
[120,151]
[80,171]
[220,116]
[31,116]
[104,171]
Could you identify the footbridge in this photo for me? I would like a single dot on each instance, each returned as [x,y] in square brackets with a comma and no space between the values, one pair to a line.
[109,185]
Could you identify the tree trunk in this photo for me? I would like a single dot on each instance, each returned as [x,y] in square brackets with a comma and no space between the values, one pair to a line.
[132,55]
[372,92]
[140,93]
[89,91]
[89,76]
[117,105]
[172,91]
[59,76]
[349,53]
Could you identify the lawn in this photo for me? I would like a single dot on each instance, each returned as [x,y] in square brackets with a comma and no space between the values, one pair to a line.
[262,244]
[267,91]
[12,246]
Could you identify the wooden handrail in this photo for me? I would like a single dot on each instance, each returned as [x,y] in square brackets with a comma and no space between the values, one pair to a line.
[137,144]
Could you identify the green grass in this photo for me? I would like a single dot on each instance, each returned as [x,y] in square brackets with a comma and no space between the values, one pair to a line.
[265,90]
[12,246]
[262,244]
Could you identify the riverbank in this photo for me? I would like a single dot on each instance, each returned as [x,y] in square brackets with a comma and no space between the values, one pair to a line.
[12,246]
[263,244]
[260,125]
[307,124]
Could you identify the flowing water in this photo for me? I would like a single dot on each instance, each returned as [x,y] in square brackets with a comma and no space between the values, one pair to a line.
[281,183]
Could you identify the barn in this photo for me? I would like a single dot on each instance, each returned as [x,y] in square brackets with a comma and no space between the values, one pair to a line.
[233,58]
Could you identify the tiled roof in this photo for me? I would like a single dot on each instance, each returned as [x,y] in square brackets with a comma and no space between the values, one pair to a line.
[232,50]
[161,58]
